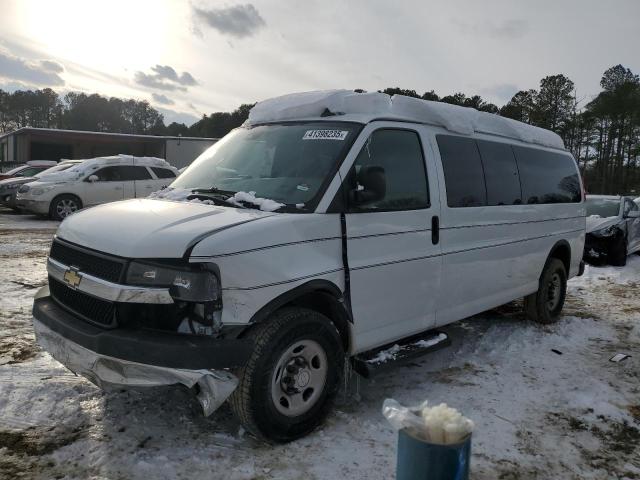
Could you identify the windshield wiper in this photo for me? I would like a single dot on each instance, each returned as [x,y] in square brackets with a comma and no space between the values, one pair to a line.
[217,200]
[214,190]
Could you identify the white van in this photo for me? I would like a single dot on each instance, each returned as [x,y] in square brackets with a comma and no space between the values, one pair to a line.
[92,182]
[329,227]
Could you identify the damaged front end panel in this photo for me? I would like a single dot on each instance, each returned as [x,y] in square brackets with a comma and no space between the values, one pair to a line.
[214,386]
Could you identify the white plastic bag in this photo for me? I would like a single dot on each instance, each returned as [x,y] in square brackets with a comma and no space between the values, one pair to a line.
[440,424]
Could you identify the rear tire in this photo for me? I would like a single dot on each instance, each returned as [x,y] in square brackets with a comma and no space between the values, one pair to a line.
[618,252]
[288,386]
[545,305]
[64,205]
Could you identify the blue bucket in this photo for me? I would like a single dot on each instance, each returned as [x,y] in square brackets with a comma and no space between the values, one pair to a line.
[420,460]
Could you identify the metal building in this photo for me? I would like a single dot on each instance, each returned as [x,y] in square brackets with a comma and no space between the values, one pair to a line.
[27,143]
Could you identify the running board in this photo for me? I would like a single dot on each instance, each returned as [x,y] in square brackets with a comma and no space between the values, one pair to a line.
[382,358]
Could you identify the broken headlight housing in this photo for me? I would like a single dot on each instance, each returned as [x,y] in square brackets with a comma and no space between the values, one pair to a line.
[189,283]
[605,232]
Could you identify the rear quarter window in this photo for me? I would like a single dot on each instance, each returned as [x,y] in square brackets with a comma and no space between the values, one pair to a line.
[163,172]
[547,177]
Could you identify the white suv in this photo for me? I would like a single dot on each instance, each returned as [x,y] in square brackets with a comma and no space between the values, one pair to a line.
[94,181]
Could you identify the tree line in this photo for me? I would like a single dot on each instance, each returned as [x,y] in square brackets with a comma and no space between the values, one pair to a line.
[603,133]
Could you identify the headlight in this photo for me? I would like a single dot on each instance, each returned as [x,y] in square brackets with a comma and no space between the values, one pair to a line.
[605,232]
[24,189]
[195,283]
[40,190]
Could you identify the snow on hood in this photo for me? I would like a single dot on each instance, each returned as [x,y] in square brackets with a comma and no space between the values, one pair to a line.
[183,194]
[596,222]
[454,118]
[147,228]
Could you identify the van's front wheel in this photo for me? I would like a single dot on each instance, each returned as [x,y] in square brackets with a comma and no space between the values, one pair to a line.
[545,305]
[289,383]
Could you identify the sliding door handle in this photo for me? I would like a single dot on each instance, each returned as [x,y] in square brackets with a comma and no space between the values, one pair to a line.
[435,230]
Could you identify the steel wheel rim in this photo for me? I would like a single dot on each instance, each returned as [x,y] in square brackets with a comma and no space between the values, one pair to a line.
[299,378]
[554,291]
[66,207]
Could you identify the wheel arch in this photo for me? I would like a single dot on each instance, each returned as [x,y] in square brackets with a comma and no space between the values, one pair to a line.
[562,251]
[322,296]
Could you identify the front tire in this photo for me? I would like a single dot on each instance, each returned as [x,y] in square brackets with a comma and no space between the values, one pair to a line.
[64,205]
[287,387]
[545,305]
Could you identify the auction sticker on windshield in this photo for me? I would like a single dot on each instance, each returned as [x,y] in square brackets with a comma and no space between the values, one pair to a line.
[325,135]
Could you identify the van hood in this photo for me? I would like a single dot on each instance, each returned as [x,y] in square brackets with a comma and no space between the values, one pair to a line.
[596,222]
[146,228]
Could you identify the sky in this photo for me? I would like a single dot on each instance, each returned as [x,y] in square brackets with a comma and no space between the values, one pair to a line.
[189,58]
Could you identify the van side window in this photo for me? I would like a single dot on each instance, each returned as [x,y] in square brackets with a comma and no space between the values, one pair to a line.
[463,172]
[500,173]
[399,154]
[547,177]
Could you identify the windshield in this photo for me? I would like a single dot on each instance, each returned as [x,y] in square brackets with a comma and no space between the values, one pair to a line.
[603,207]
[57,168]
[15,170]
[288,163]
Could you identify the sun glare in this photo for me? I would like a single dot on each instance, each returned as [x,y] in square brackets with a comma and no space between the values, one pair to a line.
[119,33]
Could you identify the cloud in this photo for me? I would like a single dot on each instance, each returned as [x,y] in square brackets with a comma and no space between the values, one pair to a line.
[165,77]
[51,66]
[163,99]
[509,29]
[44,72]
[238,21]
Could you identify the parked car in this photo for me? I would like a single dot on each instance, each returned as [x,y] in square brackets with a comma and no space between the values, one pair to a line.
[9,187]
[94,181]
[29,169]
[307,239]
[613,229]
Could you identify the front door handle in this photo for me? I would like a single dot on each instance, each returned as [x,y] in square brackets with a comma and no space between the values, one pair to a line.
[435,230]
[118,188]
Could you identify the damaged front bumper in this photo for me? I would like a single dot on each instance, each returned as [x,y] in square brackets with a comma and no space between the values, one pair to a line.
[139,358]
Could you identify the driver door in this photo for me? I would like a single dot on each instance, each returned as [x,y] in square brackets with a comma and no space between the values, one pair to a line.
[394,259]
[109,186]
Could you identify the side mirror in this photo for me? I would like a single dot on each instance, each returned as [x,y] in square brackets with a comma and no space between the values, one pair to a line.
[93,178]
[372,186]
[633,214]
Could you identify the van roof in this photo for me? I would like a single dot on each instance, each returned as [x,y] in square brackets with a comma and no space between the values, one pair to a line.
[347,105]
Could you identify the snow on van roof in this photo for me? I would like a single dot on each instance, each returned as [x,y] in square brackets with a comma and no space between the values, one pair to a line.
[366,107]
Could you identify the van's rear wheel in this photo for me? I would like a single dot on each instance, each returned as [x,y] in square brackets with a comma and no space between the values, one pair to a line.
[290,381]
[64,205]
[545,305]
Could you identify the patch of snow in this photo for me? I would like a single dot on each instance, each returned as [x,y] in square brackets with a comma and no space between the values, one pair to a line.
[392,352]
[454,118]
[265,204]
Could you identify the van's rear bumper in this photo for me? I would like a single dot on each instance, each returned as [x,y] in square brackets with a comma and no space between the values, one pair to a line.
[139,358]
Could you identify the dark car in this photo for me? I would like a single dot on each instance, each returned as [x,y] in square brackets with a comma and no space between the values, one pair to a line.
[29,169]
[613,229]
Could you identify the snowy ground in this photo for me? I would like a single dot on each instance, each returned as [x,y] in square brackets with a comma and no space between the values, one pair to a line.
[539,414]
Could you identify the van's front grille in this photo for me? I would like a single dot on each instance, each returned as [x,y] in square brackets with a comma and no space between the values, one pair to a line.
[94,310]
[97,264]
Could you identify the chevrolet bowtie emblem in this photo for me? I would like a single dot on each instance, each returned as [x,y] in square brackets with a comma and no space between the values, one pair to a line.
[72,277]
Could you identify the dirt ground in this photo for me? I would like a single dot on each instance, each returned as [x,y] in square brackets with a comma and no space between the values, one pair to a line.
[547,402]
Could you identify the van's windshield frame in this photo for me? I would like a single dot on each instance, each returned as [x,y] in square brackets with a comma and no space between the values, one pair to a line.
[344,147]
